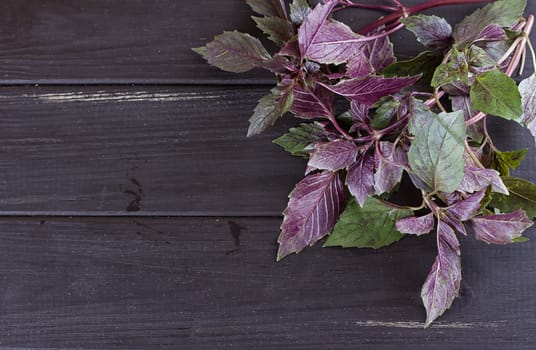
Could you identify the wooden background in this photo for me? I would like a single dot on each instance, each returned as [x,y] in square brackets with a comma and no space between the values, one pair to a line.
[134,213]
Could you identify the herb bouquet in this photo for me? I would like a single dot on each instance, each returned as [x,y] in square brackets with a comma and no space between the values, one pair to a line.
[425,117]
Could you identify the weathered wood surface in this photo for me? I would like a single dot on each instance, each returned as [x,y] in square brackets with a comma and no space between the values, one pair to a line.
[151,151]
[179,150]
[194,284]
[136,41]
[119,159]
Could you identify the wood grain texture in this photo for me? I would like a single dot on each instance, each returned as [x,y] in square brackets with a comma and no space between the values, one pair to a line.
[120,159]
[152,151]
[191,284]
[176,151]
[138,41]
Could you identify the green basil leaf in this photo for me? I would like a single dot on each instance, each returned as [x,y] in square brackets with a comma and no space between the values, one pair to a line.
[372,226]
[436,154]
[497,94]
[522,196]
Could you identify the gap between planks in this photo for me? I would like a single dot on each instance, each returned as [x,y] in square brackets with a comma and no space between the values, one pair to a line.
[145,214]
[129,82]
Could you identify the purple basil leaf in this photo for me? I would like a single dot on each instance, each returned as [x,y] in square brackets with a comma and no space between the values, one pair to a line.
[313,209]
[359,66]
[380,53]
[335,43]
[493,32]
[502,228]
[299,9]
[291,48]
[234,52]
[308,105]
[504,13]
[451,198]
[267,8]
[416,225]
[277,29]
[371,89]
[359,112]
[457,225]
[312,25]
[443,283]
[334,155]
[467,208]
[527,88]
[476,179]
[360,178]
[279,65]
[431,31]
[463,210]
[477,158]
[309,170]
[389,167]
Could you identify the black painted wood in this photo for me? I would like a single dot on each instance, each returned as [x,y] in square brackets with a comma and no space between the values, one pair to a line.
[138,41]
[118,160]
[193,284]
[152,151]
[174,150]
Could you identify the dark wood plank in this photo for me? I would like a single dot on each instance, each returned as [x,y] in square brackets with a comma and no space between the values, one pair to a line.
[188,284]
[115,41]
[137,41]
[108,151]
[165,151]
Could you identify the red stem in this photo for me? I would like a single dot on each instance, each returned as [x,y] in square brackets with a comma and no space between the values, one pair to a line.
[334,122]
[393,127]
[407,11]
[521,46]
[398,3]
[386,8]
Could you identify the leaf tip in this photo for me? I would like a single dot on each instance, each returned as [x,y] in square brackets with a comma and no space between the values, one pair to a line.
[253,130]
[280,255]
[430,318]
[202,50]
[428,323]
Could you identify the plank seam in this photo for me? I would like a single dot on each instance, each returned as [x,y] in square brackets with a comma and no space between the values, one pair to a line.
[148,82]
[113,214]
